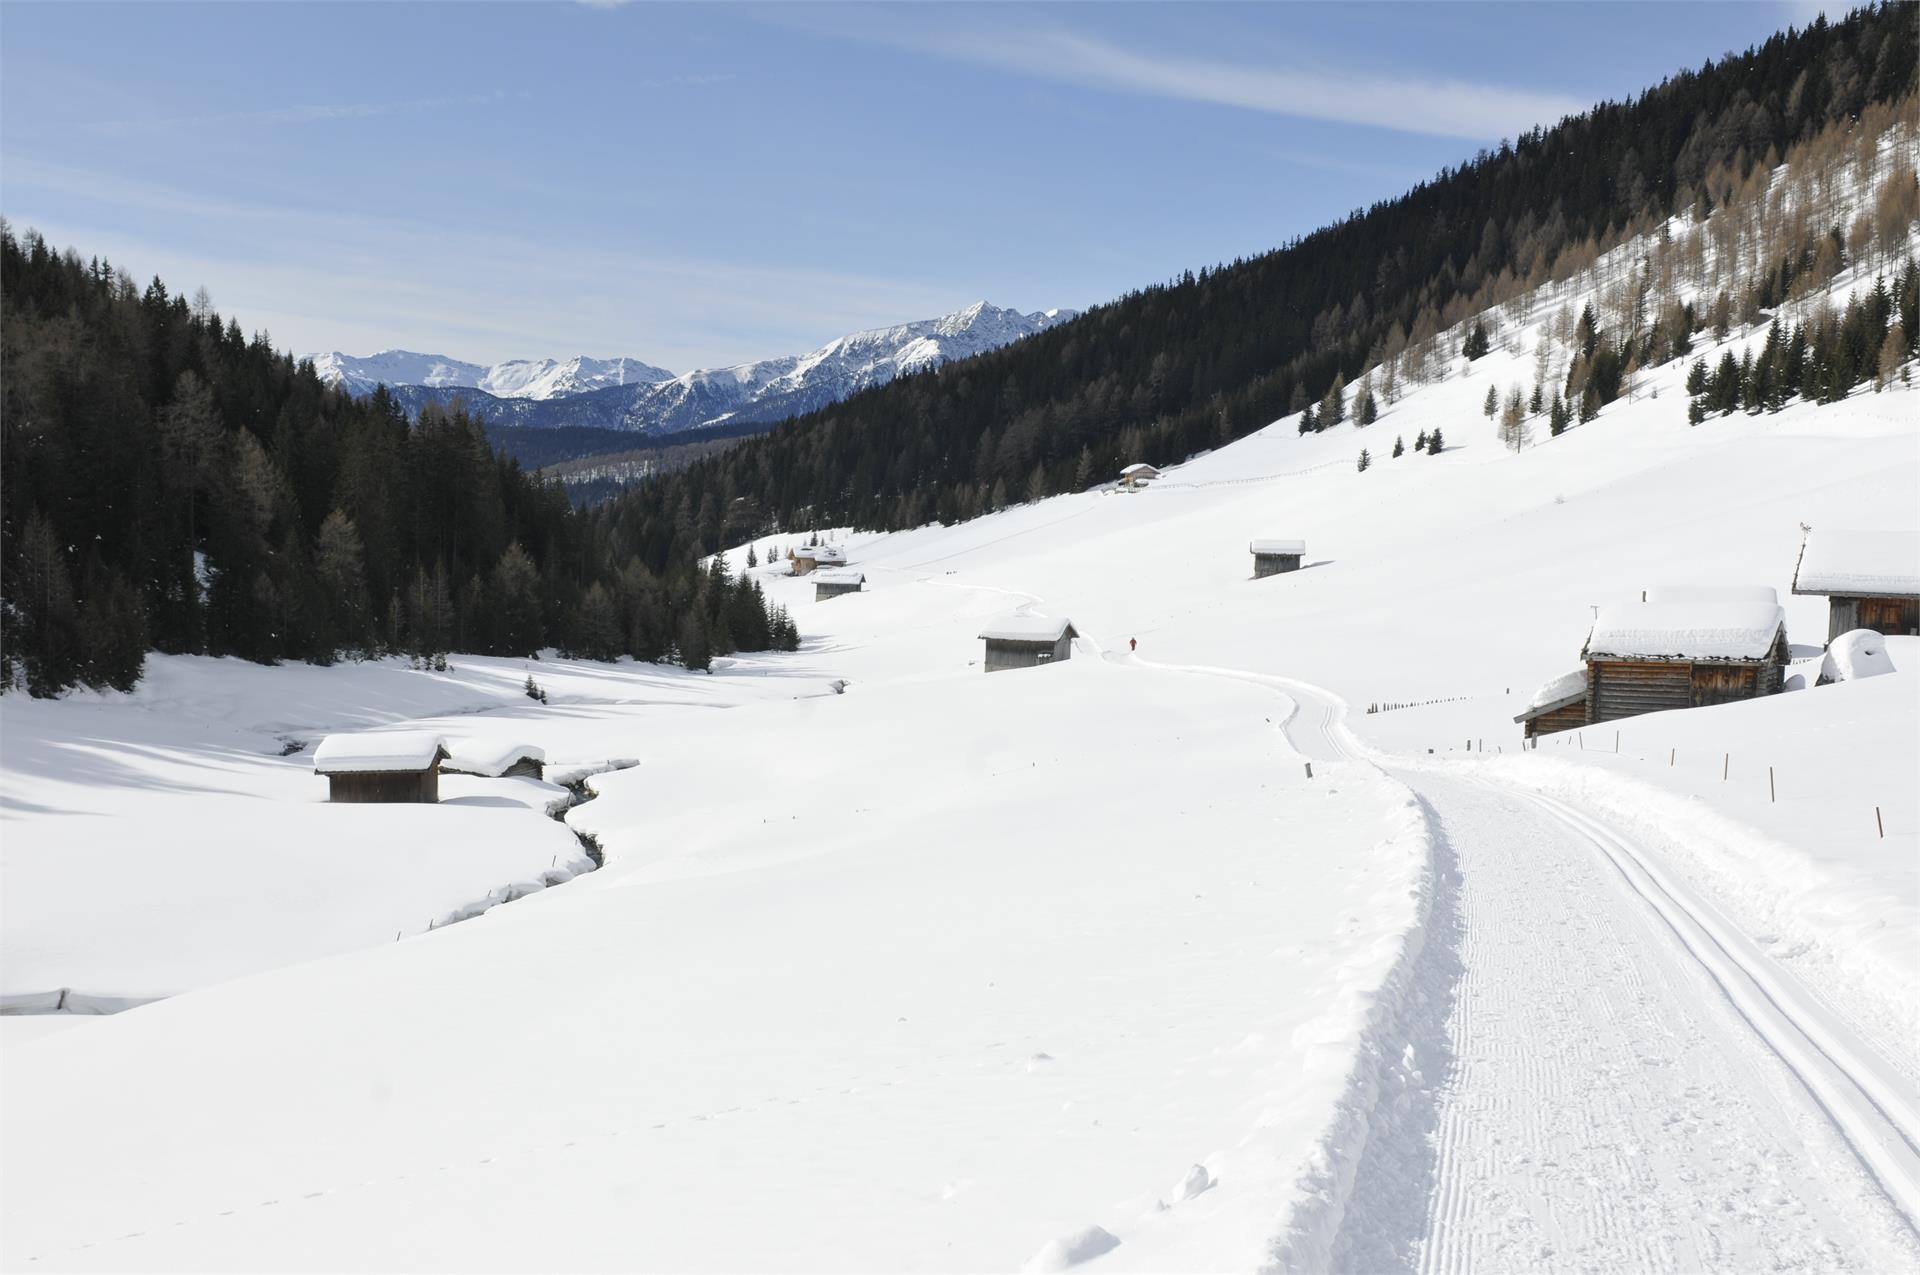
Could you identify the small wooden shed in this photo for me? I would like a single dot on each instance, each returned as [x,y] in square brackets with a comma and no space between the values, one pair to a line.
[1559,705]
[494,760]
[1271,557]
[1027,641]
[1871,579]
[1645,657]
[1134,477]
[831,584]
[381,766]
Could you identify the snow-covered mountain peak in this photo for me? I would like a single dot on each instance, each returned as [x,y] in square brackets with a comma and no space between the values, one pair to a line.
[517,378]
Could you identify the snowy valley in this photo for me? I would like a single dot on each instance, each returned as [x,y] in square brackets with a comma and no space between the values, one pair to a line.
[1169,956]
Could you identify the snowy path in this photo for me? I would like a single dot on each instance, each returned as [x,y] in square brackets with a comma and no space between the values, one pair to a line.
[1596,1083]
[1603,1074]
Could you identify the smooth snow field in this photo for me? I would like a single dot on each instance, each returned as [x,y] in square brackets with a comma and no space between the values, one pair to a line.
[1074,966]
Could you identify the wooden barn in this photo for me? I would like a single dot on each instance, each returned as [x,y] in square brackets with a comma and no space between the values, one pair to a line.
[494,760]
[831,584]
[1027,641]
[1271,557]
[381,766]
[1134,477]
[1871,579]
[1645,657]
[1559,705]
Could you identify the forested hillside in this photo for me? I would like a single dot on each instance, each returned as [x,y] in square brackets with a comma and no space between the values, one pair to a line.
[170,483]
[1209,357]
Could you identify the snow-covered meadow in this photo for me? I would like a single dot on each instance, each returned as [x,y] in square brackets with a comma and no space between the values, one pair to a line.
[1065,965]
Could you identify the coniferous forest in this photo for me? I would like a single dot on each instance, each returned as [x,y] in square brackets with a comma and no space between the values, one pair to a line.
[1204,359]
[171,484]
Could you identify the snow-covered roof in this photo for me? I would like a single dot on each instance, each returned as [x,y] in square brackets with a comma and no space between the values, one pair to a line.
[843,576]
[1027,628]
[1878,563]
[829,553]
[375,751]
[1297,548]
[488,757]
[1713,593]
[804,551]
[1139,469]
[1708,629]
[1558,693]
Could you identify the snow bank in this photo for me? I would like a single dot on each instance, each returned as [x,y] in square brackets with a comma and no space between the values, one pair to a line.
[1868,562]
[1700,629]
[378,751]
[1295,547]
[488,757]
[1854,655]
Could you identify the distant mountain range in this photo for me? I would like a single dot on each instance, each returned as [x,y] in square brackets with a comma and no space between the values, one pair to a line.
[627,394]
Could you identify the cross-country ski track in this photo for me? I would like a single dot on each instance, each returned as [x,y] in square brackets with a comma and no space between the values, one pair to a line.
[1601,1073]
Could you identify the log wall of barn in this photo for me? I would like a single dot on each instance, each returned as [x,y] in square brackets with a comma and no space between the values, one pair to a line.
[1005,654]
[1273,564]
[393,787]
[1617,690]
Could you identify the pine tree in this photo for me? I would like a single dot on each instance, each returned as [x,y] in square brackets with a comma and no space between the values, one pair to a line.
[1434,444]
[695,651]
[1478,343]
[1492,405]
[343,583]
[519,626]
[1558,417]
[1366,410]
[1399,448]
[753,559]
[1365,460]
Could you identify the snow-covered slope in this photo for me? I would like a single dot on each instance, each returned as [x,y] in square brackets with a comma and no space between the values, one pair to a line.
[536,379]
[625,394]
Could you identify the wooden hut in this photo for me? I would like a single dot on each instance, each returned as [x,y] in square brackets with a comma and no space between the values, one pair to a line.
[1559,705]
[1134,477]
[1271,557]
[1027,641]
[381,766]
[1871,579]
[492,760]
[1644,657]
[831,584]
[809,558]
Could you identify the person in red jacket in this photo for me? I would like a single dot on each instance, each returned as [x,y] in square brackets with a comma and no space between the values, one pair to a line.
[1133,644]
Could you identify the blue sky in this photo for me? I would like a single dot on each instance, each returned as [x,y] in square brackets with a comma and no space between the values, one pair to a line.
[699,185]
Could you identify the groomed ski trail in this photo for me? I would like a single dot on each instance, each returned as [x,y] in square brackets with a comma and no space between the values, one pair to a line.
[1600,1072]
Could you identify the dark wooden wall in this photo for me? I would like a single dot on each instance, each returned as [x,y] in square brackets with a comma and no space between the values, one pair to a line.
[823,589]
[1273,564]
[1005,654]
[1564,718]
[404,787]
[1618,689]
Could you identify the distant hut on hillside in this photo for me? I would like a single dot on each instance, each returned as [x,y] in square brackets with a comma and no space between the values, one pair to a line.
[1027,641]
[1271,557]
[1134,477]
[381,766]
[1644,657]
[831,584]
[809,558]
[494,760]
[1871,579]
[1559,705]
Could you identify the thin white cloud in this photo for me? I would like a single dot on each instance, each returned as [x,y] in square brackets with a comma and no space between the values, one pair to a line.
[1403,103]
[322,280]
